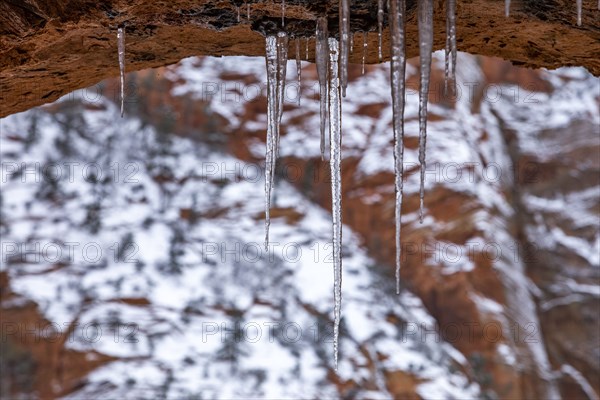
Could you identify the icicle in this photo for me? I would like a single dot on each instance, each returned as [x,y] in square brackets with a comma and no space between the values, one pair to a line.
[351,43]
[506,8]
[298,68]
[397,10]
[307,41]
[450,55]
[248,11]
[425,21]
[379,27]
[282,58]
[121,51]
[276,58]
[335,161]
[364,52]
[282,12]
[238,13]
[271,59]
[579,6]
[321,58]
[344,41]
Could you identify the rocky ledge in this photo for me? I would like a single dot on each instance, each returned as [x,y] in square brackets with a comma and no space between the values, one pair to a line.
[50,48]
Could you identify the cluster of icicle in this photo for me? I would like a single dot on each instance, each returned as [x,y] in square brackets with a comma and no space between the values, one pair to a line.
[331,57]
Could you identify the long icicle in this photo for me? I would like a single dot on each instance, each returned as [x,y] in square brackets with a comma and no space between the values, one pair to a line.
[579,7]
[506,8]
[344,43]
[379,28]
[425,20]
[276,58]
[321,58]
[121,51]
[298,67]
[335,161]
[453,49]
[272,126]
[397,10]
[450,53]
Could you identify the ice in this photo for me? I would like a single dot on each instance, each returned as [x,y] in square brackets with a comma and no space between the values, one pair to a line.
[397,70]
[450,55]
[282,58]
[364,52]
[425,18]
[380,27]
[335,160]
[321,54]
[344,43]
[121,50]
[307,42]
[298,67]
[276,58]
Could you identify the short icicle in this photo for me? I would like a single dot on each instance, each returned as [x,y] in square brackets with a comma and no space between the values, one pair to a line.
[379,28]
[397,10]
[579,7]
[335,161]
[425,22]
[238,13]
[282,12]
[322,59]
[364,51]
[298,67]
[282,58]
[506,8]
[450,53]
[121,51]
[307,43]
[344,43]
[248,11]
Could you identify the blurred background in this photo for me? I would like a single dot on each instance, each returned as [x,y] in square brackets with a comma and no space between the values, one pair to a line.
[133,264]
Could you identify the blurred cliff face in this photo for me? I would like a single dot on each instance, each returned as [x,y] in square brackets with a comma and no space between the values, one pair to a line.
[132,258]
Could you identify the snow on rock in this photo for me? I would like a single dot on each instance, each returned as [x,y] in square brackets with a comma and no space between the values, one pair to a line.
[221,317]
[192,272]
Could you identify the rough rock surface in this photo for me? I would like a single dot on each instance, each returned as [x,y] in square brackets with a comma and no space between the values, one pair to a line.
[49,48]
